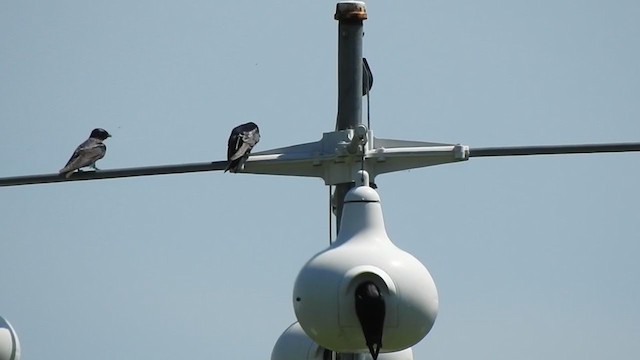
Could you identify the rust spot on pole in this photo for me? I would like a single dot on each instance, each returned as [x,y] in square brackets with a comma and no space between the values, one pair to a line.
[351,11]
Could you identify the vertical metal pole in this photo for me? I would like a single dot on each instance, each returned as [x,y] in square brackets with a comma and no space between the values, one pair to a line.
[350,16]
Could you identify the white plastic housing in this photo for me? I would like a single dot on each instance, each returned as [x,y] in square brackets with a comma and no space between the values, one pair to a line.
[294,344]
[323,295]
[406,354]
[9,344]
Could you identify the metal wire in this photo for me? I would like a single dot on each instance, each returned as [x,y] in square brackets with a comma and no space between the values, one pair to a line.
[330,216]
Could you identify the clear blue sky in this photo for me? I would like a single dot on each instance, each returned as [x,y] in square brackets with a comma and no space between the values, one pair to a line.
[533,257]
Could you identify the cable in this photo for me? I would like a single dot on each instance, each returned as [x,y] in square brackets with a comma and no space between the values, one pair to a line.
[362,167]
[368,108]
[330,216]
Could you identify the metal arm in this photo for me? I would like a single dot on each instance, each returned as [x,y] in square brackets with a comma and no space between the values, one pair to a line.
[335,159]
[553,149]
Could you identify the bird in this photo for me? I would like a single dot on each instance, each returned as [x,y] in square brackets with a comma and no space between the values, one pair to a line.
[242,139]
[370,309]
[87,153]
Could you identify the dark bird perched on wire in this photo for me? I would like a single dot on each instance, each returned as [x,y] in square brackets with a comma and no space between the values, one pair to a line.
[87,153]
[370,309]
[242,139]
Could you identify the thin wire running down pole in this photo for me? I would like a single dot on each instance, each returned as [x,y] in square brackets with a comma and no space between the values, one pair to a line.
[553,149]
[330,216]
[115,173]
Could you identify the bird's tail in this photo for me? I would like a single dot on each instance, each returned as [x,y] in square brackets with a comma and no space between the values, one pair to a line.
[233,165]
[67,173]
[374,351]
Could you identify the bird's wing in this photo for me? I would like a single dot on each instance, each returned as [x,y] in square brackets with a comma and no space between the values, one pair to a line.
[234,144]
[242,150]
[86,154]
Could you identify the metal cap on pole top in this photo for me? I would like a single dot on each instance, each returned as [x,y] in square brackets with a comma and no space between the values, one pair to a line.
[351,11]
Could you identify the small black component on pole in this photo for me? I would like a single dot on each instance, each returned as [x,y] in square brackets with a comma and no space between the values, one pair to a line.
[367,77]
